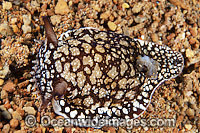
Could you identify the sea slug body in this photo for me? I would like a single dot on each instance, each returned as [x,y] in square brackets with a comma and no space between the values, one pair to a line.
[89,73]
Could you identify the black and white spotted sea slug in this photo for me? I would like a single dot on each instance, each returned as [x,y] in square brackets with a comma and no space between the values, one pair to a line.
[89,73]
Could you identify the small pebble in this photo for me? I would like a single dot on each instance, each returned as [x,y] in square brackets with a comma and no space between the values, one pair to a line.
[193,31]
[5,30]
[154,37]
[6,128]
[50,12]
[137,7]
[26,29]
[13,21]
[4,94]
[192,41]
[1,125]
[6,115]
[190,112]
[20,111]
[7,105]
[61,7]
[55,19]
[125,5]
[29,110]
[21,131]
[105,15]
[188,126]
[16,115]
[112,26]
[1,82]
[15,28]
[14,123]
[172,35]
[9,87]
[27,19]
[7,5]
[38,130]
[189,53]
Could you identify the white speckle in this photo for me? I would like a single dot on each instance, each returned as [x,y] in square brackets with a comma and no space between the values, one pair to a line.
[109,112]
[47,74]
[146,100]
[136,104]
[62,102]
[81,116]
[125,111]
[114,109]
[73,114]
[139,97]
[134,109]
[142,107]
[156,49]
[51,46]
[127,117]
[145,94]
[87,111]
[58,66]
[135,115]
[67,109]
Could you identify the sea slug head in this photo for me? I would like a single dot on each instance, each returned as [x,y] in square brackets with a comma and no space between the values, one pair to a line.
[158,61]
[45,65]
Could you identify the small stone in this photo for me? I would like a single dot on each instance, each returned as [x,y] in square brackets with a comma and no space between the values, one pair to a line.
[9,87]
[4,71]
[20,111]
[5,29]
[15,28]
[192,41]
[16,116]
[172,35]
[29,110]
[112,26]
[55,19]
[10,110]
[7,5]
[188,126]
[13,21]
[193,31]
[38,130]
[61,7]
[6,128]
[105,15]
[27,19]
[44,7]
[4,94]
[125,5]
[137,7]
[189,53]
[179,119]
[26,29]
[190,112]
[96,8]
[6,115]
[21,131]
[1,125]
[50,12]
[1,82]
[7,105]
[154,37]
[14,123]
